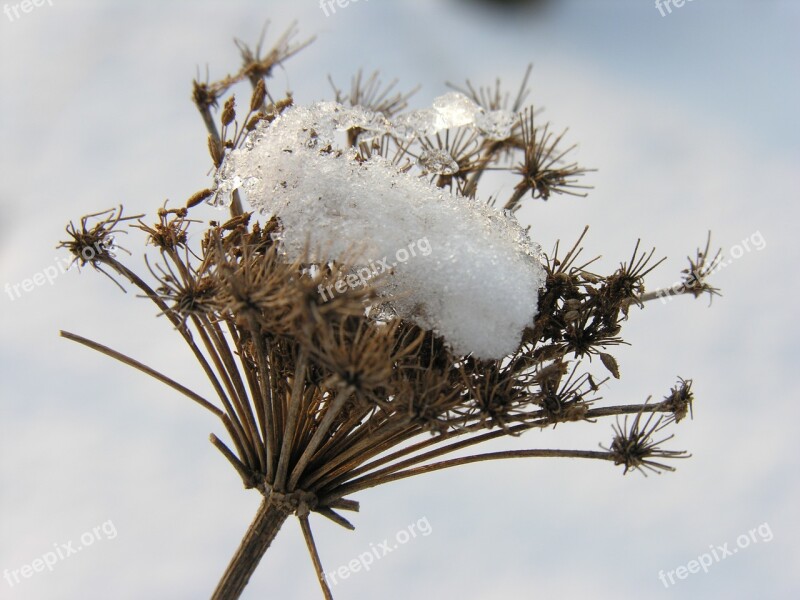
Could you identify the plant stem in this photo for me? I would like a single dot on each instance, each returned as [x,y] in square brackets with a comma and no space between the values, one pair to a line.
[331,412]
[312,549]
[268,521]
[144,369]
[371,481]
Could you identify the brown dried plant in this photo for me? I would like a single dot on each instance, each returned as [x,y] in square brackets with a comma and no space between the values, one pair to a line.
[321,400]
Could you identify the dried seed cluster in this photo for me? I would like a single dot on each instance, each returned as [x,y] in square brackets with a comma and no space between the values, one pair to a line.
[321,398]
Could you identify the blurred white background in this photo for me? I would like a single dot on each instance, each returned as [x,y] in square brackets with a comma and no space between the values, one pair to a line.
[691,119]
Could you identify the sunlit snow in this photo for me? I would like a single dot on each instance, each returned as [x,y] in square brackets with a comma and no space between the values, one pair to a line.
[477,285]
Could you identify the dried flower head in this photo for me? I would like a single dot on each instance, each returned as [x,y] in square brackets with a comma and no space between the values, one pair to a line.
[635,447]
[330,375]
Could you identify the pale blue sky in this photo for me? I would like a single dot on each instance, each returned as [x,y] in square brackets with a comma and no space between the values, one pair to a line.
[691,121]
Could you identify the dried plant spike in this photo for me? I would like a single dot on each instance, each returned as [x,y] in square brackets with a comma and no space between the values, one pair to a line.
[610,363]
[228,112]
[635,448]
[198,197]
[694,278]
[543,169]
[680,400]
[258,97]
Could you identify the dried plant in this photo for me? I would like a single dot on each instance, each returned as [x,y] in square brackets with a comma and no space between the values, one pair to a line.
[320,398]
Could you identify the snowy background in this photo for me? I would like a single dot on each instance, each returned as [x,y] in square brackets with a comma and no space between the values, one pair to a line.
[691,119]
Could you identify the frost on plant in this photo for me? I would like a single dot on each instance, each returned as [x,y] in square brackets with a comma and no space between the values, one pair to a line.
[478,286]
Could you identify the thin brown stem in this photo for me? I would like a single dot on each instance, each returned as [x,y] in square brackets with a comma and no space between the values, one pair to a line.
[667,293]
[233,374]
[266,398]
[144,369]
[244,472]
[369,481]
[312,550]
[289,432]
[211,127]
[184,331]
[322,430]
[258,538]
[484,437]
[363,450]
[428,455]
[235,409]
[481,167]
[518,194]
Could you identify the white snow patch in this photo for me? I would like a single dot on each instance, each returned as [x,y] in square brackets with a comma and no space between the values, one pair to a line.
[477,286]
